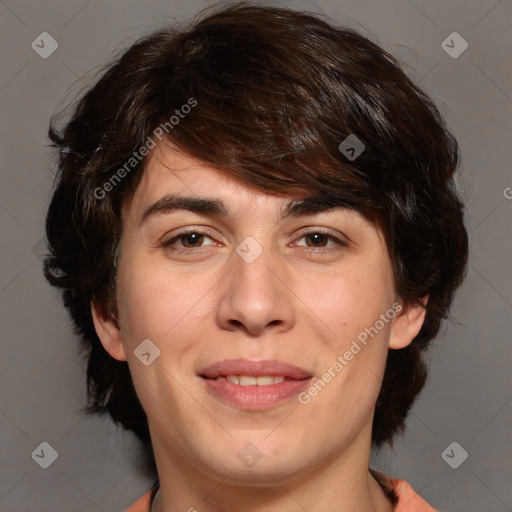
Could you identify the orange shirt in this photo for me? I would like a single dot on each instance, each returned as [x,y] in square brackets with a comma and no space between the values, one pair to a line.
[408,500]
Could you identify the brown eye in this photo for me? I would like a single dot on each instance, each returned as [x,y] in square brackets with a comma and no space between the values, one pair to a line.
[191,239]
[317,238]
[321,242]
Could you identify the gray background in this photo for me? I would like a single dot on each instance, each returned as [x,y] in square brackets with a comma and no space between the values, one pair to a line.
[468,397]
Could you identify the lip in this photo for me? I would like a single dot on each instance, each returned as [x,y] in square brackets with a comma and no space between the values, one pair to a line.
[254,368]
[254,397]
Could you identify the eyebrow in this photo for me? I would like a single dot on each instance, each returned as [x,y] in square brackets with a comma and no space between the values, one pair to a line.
[217,208]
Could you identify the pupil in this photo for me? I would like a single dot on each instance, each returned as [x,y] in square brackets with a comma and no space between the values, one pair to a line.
[193,238]
[190,238]
[317,238]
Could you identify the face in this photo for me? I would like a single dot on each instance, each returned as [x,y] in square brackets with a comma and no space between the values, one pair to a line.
[303,308]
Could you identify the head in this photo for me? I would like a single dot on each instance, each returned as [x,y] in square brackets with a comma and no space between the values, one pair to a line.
[251,106]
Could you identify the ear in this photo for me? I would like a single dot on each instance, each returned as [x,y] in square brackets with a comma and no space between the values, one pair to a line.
[407,324]
[108,332]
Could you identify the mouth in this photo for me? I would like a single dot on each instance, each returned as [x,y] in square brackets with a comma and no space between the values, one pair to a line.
[251,380]
[254,385]
[249,368]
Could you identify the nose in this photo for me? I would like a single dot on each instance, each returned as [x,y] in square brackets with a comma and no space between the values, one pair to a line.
[256,296]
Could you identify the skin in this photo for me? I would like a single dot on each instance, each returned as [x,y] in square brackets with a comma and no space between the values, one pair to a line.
[291,304]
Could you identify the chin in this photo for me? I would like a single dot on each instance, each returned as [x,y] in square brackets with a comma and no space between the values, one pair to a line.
[258,463]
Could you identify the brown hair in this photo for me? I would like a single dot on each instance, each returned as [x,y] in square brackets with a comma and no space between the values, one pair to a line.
[276,92]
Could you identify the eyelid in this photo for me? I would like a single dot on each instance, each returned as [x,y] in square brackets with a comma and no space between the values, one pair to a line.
[339,240]
[187,231]
[337,236]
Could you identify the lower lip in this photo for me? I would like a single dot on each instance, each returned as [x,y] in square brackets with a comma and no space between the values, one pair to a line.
[256,397]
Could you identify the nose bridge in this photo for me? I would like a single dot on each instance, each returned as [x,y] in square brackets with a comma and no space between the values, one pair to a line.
[253,269]
[255,297]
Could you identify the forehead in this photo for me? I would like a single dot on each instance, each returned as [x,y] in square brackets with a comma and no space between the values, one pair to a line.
[170,168]
[174,180]
[172,171]
[175,183]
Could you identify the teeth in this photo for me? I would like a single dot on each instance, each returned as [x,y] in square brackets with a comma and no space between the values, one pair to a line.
[247,380]
[250,380]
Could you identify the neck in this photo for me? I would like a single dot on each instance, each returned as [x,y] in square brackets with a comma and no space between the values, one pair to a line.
[342,484]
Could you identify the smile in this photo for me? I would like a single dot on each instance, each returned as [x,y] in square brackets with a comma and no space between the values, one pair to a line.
[251,380]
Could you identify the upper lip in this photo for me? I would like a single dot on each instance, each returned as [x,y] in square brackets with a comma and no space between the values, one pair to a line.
[255,368]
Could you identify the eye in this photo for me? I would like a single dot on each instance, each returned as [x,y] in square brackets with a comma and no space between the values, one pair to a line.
[319,239]
[190,240]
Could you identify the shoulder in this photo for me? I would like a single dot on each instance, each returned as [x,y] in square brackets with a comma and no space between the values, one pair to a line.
[408,499]
[142,504]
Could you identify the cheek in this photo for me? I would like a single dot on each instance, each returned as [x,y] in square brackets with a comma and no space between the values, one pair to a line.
[350,300]
[353,304]
[151,300]
[152,308]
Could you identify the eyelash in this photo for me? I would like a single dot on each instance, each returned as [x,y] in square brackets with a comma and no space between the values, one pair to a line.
[168,244]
